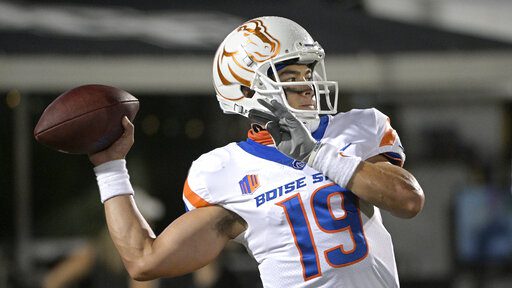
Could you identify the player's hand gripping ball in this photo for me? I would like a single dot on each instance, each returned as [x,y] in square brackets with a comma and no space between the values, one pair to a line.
[85,119]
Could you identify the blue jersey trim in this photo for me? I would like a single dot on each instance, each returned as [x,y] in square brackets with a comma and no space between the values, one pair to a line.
[393,155]
[269,153]
[394,158]
[320,131]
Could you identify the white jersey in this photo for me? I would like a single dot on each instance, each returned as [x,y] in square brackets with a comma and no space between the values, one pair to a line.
[303,229]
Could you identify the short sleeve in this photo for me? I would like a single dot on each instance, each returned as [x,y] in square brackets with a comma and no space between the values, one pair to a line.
[388,142]
[204,179]
[195,190]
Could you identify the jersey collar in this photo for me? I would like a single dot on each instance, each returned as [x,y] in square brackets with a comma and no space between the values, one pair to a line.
[269,153]
[320,131]
[272,154]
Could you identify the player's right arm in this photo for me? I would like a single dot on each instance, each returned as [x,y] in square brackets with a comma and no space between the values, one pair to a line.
[188,243]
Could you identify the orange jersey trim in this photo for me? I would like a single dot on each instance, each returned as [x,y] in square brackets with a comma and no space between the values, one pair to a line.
[263,137]
[193,198]
[390,135]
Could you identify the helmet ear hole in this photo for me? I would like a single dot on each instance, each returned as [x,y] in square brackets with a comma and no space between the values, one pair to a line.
[248,92]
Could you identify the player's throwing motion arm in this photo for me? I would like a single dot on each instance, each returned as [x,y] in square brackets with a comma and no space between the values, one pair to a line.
[190,242]
[375,180]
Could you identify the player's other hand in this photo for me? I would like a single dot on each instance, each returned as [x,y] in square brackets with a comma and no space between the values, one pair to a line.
[290,135]
[118,149]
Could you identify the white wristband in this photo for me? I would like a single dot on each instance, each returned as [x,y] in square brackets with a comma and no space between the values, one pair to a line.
[326,158]
[113,179]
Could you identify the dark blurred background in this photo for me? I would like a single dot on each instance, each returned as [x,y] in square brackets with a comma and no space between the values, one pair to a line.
[442,70]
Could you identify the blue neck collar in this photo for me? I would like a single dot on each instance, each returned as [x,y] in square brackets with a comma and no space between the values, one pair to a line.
[272,154]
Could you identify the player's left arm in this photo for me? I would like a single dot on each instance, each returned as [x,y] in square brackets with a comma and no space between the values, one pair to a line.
[374,180]
[387,186]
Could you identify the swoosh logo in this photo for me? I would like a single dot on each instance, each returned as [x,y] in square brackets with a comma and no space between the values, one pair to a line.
[343,150]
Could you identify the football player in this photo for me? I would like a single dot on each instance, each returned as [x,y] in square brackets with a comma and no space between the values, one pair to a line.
[303,193]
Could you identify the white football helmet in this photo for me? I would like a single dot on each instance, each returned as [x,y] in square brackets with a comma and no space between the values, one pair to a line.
[248,57]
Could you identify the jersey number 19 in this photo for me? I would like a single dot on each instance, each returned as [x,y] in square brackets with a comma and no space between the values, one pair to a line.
[327,221]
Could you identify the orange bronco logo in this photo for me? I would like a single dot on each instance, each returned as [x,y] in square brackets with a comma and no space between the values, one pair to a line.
[233,65]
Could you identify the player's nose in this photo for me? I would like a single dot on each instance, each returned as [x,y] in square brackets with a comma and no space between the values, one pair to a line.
[307,90]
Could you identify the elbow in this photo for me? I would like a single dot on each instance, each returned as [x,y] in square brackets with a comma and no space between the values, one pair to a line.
[412,202]
[141,271]
[413,207]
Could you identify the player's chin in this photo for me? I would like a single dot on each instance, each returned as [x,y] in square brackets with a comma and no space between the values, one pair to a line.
[307,107]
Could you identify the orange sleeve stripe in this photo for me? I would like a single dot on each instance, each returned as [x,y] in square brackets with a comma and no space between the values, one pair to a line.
[389,137]
[193,198]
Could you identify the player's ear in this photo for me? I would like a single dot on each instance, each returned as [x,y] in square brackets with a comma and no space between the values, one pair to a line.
[248,93]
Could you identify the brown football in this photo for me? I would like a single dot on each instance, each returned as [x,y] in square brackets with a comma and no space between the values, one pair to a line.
[85,119]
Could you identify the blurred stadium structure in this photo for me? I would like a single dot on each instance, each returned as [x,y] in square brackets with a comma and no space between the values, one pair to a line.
[441,69]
